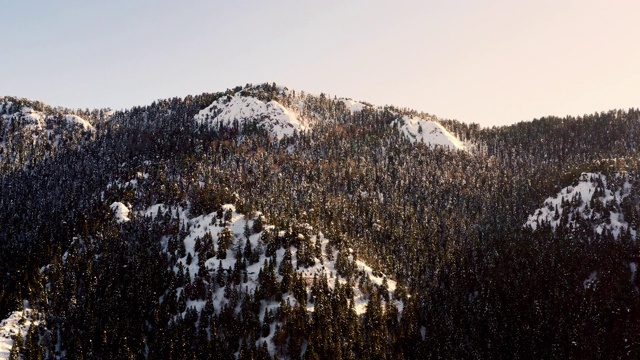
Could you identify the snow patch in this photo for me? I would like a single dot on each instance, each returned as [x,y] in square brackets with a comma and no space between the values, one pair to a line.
[353,106]
[278,120]
[37,120]
[428,132]
[32,118]
[74,119]
[121,212]
[577,201]
[236,223]
[17,322]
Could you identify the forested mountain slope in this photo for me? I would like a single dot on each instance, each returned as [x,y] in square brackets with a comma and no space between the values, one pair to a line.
[31,131]
[265,222]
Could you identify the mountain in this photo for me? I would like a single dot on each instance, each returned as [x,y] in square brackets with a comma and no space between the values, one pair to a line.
[263,222]
[281,121]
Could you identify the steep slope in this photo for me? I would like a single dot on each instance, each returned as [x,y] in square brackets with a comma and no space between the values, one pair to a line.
[249,243]
[354,106]
[245,111]
[595,202]
[30,124]
[428,132]
[16,325]
[272,116]
[225,257]
[74,119]
[26,116]
[601,211]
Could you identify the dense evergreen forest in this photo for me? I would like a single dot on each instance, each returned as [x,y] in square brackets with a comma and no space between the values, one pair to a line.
[148,234]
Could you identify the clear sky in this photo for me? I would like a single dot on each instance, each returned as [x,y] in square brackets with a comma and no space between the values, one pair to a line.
[489,62]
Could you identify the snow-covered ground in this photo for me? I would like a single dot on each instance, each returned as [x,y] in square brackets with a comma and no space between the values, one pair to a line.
[237,223]
[34,119]
[37,120]
[18,322]
[353,106]
[429,132]
[210,224]
[594,202]
[273,116]
[74,119]
[120,211]
[281,121]
[40,126]
[577,199]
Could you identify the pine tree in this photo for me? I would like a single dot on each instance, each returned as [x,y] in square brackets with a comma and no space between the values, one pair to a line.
[17,347]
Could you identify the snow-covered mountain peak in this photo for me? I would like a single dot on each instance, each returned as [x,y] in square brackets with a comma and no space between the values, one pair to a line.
[429,132]
[278,120]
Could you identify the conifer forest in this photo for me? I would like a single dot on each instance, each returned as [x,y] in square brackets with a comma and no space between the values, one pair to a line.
[263,222]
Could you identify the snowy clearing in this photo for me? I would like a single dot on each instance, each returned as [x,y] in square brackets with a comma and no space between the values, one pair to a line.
[17,322]
[591,200]
[353,106]
[278,120]
[428,132]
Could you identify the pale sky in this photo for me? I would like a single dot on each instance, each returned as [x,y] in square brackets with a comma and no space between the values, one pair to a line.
[489,62]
